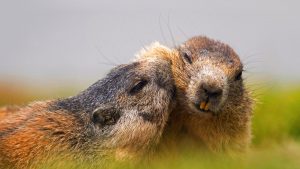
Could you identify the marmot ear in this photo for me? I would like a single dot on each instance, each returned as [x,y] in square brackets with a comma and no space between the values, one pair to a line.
[105,116]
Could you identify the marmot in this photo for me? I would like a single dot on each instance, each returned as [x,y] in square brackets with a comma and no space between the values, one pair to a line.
[213,106]
[121,116]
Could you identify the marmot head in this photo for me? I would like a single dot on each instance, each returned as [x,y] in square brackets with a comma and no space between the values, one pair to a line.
[209,74]
[143,103]
[128,109]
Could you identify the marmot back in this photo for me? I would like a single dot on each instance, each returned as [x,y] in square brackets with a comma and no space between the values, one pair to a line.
[119,117]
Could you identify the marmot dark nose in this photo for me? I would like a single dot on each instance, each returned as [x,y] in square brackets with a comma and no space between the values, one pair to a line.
[212,91]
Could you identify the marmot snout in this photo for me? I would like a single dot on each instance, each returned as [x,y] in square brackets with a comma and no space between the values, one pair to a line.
[207,90]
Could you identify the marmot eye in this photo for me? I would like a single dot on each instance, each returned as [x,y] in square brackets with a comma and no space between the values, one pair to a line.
[187,57]
[239,76]
[138,87]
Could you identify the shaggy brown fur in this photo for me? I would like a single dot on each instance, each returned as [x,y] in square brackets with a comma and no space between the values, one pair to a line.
[121,116]
[4,111]
[208,72]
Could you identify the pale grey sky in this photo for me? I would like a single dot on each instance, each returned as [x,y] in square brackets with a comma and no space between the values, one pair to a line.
[68,40]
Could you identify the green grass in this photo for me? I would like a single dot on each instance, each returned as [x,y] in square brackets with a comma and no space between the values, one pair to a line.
[276,141]
[277,116]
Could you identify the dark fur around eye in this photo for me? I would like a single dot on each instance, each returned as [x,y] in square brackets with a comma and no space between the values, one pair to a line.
[187,57]
[239,76]
[138,87]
